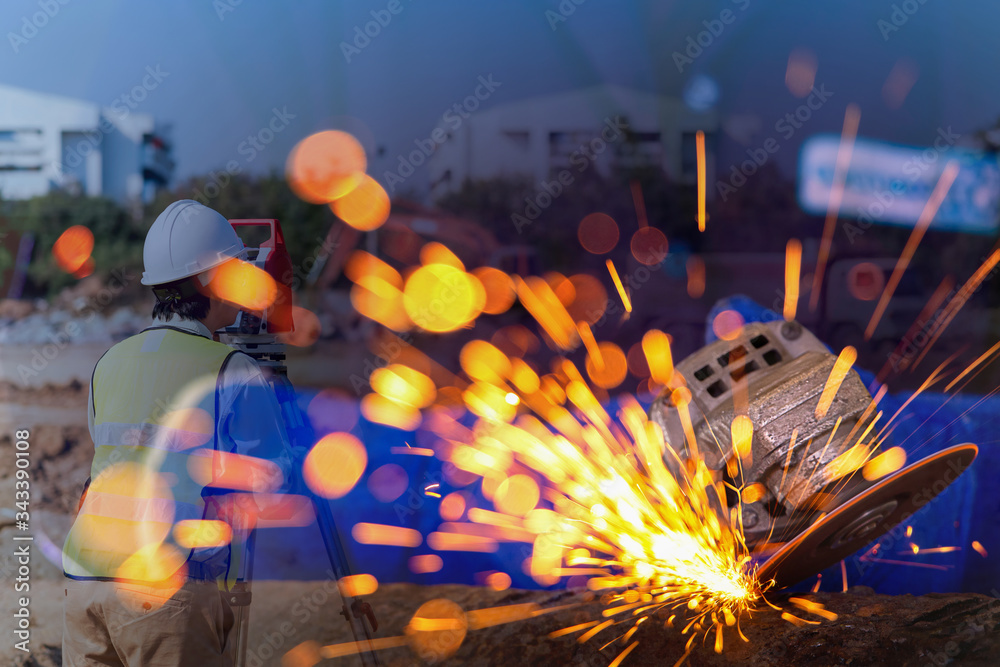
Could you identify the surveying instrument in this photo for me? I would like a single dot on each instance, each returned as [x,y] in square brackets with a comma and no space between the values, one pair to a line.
[256,334]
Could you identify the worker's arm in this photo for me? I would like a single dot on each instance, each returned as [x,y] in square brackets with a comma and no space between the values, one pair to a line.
[251,424]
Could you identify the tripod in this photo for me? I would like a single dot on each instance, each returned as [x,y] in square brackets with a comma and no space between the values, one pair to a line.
[270,355]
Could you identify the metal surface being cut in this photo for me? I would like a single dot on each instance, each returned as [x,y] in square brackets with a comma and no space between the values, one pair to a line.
[866,516]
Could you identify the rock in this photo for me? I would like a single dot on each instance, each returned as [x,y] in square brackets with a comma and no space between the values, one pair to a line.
[47,655]
[15,309]
[904,631]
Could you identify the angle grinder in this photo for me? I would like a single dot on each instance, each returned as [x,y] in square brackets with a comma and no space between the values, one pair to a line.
[807,512]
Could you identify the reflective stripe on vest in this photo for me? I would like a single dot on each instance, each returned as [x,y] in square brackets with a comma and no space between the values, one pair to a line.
[155,402]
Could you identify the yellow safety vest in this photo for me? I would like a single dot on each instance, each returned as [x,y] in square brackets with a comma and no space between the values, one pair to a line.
[155,429]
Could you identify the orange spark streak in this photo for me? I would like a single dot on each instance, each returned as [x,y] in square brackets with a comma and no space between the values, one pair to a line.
[700,147]
[839,371]
[926,217]
[843,574]
[617,661]
[656,346]
[937,298]
[929,566]
[956,304]
[980,549]
[414,451]
[590,634]
[847,136]
[618,284]
[974,364]
[695,276]
[795,620]
[587,336]
[813,608]
[640,205]
[793,266]
[350,648]
[573,628]
[882,391]
[485,618]
[938,550]
[539,299]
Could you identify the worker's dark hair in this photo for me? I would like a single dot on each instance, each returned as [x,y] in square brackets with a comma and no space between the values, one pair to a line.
[180,298]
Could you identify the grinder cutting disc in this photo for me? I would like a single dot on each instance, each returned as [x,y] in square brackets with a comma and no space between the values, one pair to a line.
[866,516]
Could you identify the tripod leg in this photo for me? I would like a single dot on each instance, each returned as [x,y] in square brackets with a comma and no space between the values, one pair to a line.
[355,611]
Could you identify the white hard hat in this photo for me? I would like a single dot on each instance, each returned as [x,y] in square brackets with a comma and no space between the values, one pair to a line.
[185,240]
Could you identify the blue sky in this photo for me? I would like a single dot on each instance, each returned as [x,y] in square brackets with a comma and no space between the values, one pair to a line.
[230,65]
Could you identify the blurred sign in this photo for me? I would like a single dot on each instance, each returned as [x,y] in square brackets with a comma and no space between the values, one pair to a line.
[887,183]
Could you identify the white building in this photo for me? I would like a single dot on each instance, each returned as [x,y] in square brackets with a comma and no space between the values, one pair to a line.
[49,141]
[539,137]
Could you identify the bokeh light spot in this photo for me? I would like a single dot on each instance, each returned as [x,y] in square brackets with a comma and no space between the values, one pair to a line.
[326,166]
[388,482]
[381,409]
[800,76]
[425,564]
[727,324]
[598,233]
[366,207]
[72,249]
[437,630]
[865,281]
[517,495]
[610,369]
[499,289]
[452,506]
[335,464]
[306,329]
[649,246]
[440,298]
[244,284]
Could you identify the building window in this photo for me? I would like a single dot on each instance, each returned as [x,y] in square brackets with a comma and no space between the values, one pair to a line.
[563,144]
[519,138]
[640,149]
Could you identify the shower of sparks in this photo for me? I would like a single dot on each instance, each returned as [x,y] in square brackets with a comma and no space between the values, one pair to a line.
[923,222]
[847,136]
[597,492]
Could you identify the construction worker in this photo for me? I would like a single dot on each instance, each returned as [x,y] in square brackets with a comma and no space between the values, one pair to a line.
[189,441]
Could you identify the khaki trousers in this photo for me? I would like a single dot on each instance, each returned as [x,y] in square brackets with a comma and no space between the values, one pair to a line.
[124,625]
